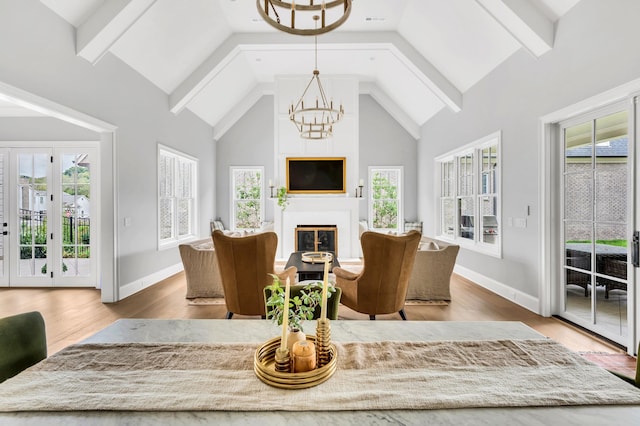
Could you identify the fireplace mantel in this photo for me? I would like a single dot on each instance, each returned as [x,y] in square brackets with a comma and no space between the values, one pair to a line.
[341,211]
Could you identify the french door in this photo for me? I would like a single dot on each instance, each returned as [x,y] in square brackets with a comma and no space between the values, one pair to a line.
[50,216]
[596,235]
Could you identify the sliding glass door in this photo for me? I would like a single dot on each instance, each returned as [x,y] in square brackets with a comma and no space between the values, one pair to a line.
[595,222]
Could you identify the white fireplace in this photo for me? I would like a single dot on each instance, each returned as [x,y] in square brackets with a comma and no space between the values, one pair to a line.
[341,211]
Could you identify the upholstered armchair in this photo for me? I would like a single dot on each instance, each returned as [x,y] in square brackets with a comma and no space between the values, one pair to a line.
[245,264]
[431,275]
[381,286]
[201,269]
[23,343]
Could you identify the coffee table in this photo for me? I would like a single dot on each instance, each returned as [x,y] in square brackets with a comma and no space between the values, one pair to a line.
[309,271]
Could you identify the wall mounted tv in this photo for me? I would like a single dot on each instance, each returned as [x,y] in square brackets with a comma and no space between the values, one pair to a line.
[316,175]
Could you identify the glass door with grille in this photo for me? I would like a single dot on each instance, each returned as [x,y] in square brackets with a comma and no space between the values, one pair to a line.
[52,219]
[4,224]
[595,217]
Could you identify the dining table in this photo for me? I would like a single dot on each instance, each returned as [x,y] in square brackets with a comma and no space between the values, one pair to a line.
[254,332]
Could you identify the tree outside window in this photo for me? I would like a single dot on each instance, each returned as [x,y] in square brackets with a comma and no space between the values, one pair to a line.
[247,197]
[385,201]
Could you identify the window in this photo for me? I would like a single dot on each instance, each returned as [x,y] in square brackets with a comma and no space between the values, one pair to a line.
[469,197]
[385,198]
[177,189]
[247,208]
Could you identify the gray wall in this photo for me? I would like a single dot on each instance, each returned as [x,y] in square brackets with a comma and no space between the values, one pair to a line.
[595,50]
[249,142]
[42,129]
[383,142]
[41,59]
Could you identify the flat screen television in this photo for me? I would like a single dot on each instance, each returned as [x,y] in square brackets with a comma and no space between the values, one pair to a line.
[316,175]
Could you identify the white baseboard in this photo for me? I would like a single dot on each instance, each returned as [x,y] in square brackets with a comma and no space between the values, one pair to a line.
[144,282]
[516,296]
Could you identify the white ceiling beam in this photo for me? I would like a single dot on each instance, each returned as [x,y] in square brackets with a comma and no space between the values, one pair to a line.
[398,114]
[240,109]
[526,23]
[391,41]
[104,27]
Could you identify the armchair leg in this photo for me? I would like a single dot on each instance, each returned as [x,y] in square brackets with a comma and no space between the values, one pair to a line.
[372,317]
[402,315]
[229,315]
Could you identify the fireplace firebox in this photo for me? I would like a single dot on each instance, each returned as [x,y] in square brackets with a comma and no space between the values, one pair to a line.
[317,238]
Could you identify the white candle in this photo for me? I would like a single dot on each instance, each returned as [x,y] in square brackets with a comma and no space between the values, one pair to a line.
[361,182]
[285,317]
[325,289]
[270,182]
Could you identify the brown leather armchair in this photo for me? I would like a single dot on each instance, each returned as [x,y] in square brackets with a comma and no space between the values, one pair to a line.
[381,286]
[245,264]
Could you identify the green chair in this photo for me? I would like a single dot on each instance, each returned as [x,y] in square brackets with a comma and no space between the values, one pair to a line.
[635,382]
[23,343]
[333,302]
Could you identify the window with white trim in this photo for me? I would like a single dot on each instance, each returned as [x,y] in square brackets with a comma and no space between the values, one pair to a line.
[469,196]
[177,189]
[247,206]
[385,198]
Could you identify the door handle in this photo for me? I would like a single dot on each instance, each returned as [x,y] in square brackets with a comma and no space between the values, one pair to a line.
[635,254]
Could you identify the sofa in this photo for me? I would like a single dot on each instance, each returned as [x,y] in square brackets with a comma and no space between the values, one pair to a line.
[432,270]
[201,269]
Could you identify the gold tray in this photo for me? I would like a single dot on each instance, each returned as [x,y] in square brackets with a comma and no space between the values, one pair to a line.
[316,256]
[264,367]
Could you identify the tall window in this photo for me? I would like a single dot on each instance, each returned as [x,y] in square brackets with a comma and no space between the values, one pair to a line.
[385,198]
[248,205]
[469,199]
[177,189]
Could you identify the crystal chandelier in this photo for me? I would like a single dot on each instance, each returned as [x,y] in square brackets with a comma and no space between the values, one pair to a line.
[296,17]
[316,119]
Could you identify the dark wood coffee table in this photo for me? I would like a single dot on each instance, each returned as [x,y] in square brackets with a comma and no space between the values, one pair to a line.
[309,271]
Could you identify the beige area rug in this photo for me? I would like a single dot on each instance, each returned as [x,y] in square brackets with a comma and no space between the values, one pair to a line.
[203,301]
[426,303]
[369,376]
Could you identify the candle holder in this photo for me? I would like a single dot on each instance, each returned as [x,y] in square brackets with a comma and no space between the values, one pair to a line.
[323,342]
[282,361]
[359,194]
[271,188]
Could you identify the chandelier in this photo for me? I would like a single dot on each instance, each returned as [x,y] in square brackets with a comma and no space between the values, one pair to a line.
[315,120]
[297,17]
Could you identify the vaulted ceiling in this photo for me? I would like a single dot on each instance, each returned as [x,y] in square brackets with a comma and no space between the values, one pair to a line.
[218,57]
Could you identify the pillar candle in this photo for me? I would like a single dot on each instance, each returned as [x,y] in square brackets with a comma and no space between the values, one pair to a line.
[285,317]
[325,289]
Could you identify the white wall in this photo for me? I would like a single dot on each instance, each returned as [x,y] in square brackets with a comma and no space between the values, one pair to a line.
[595,50]
[37,54]
[382,142]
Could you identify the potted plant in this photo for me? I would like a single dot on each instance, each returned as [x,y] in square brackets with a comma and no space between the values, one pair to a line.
[282,195]
[301,306]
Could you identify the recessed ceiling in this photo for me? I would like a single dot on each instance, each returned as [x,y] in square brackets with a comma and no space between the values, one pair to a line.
[216,57]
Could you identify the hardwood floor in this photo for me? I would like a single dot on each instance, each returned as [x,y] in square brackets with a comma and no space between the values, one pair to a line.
[74,314]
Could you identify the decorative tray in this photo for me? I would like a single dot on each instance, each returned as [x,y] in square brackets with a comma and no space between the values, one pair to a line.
[264,367]
[316,256]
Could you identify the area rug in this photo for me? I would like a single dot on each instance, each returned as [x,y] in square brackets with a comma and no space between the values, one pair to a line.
[376,375]
[203,301]
[426,303]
